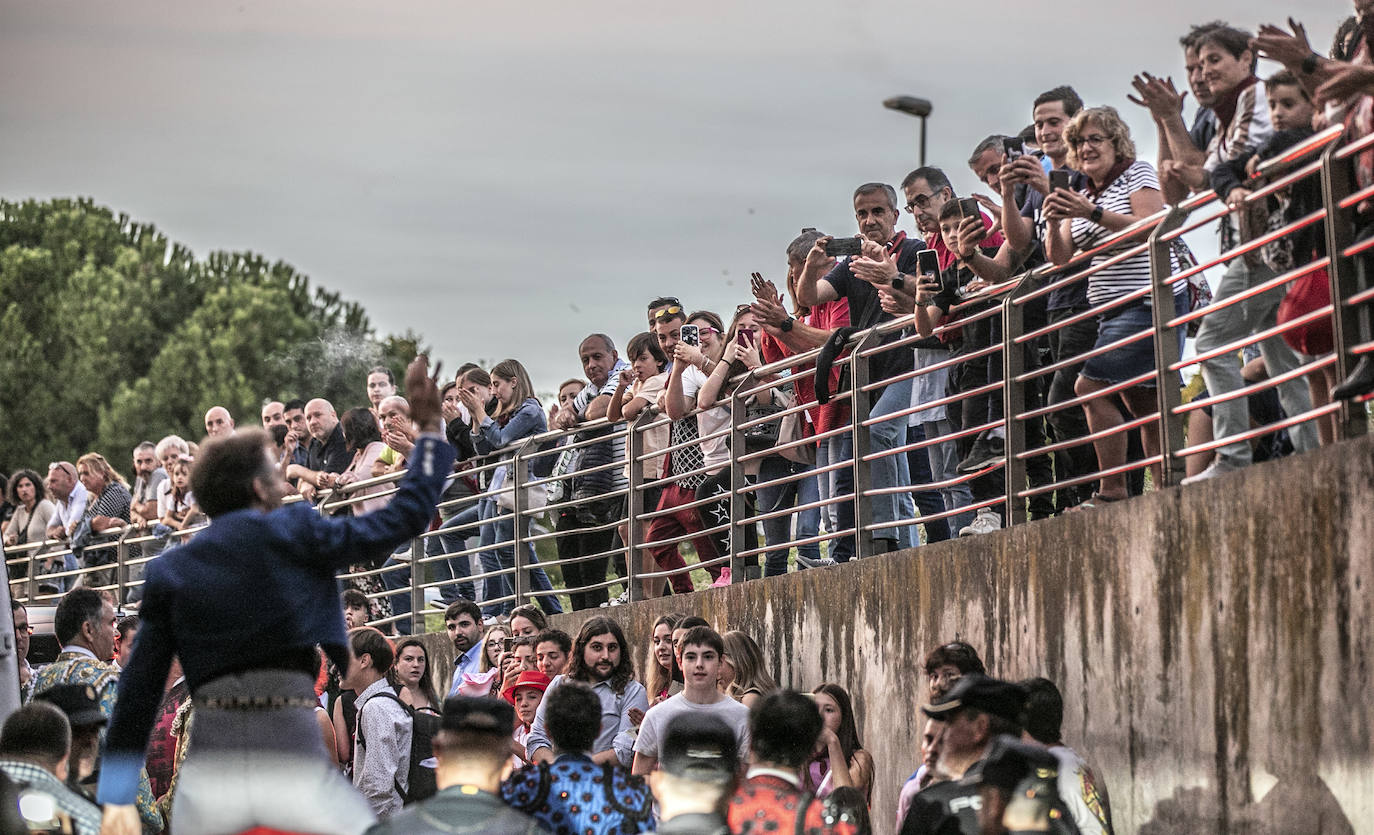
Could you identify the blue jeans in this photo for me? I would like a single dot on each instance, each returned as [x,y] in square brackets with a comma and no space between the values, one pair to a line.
[944,466]
[928,502]
[891,471]
[447,569]
[841,483]
[779,529]
[454,568]
[496,557]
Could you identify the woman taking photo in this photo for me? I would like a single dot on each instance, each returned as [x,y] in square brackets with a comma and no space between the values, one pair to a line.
[841,760]
[1121,190]
[517,416]
[412,676]
[492,647]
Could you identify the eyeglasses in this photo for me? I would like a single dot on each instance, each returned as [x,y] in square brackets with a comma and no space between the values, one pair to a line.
[707,329]
[920,201]
[1095,139]
[670,310]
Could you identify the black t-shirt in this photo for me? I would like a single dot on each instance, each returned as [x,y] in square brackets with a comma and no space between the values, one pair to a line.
[866,309]
[1065,298]
[332,456]
[948,808]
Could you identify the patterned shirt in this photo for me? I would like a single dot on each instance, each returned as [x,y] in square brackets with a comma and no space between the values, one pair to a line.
[77,665]
[575,796]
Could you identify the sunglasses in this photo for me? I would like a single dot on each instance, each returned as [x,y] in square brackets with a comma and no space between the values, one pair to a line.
[670,310]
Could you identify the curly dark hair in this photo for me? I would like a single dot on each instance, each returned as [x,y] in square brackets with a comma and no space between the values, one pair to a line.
[577,670]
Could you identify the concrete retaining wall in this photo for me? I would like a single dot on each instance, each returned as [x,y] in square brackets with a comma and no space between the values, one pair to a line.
[1213,644]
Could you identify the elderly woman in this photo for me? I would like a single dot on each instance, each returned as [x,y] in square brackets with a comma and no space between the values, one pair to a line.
[1120,191]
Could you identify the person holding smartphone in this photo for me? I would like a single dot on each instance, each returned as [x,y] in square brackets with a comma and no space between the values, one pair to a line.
[889,258]
[689,465]
[786,334]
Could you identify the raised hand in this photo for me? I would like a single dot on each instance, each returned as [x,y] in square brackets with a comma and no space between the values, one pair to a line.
[1288,48]
[422,391]
[1158,95]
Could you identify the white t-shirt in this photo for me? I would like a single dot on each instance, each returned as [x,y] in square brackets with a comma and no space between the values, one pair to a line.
[165,502]
[657,437]
[655,725]
[713,450]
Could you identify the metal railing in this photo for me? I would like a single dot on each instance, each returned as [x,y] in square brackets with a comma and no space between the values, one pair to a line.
[869,480]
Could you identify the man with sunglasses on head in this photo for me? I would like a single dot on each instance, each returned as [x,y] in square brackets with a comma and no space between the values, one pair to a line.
[668,317]
[887,259]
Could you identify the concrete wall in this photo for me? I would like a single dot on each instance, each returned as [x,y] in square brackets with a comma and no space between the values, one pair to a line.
[1213,644]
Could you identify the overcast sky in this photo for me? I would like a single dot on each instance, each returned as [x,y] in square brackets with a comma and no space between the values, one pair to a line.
[506,178]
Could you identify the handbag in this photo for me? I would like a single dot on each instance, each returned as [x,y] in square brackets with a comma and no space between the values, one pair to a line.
[536,497]
[761,436]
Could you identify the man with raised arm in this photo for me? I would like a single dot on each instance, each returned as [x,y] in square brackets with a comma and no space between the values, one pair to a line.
[243,606]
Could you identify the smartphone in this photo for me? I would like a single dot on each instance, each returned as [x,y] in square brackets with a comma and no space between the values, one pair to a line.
[690,335]
[839,247]
[1012,146]
[1060,179]
[507,644]
[968,207]
[744,338]
[928,262]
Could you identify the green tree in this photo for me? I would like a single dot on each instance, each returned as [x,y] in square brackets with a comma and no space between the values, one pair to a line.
[111,334]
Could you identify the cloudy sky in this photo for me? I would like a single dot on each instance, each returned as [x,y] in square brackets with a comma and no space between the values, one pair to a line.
[507,178]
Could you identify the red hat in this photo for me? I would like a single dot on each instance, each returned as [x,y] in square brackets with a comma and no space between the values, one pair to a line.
[528,678]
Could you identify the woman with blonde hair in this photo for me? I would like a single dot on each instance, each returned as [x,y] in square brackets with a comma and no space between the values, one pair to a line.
[492,647]
[660,666]
[748,677]
[1120,191]
[517,416]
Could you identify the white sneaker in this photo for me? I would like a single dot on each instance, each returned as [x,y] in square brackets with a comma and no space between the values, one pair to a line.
[986,521]
[617,601]
[822,562]
[1219,467]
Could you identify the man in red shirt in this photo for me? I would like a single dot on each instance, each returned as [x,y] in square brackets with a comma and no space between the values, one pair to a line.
[783,729]
[787,334]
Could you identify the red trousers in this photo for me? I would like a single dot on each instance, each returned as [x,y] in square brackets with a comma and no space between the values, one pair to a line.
[684,521]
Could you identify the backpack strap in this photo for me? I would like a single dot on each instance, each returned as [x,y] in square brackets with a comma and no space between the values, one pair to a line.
[410,712]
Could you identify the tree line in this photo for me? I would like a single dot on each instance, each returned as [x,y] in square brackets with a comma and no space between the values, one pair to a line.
[111,334]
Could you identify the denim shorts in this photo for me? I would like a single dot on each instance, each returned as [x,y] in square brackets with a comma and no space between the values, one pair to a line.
[1133,358]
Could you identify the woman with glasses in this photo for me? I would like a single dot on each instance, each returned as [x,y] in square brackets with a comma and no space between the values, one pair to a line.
[1120,190]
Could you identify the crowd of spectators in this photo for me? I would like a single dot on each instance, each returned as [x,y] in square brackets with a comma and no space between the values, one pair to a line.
[542,731]
[936,431]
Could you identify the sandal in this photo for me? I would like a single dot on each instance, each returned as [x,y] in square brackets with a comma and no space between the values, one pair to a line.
[1093,502]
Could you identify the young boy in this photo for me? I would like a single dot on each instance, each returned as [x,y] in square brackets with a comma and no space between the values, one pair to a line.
[702,648]
[637,389]
[381,750]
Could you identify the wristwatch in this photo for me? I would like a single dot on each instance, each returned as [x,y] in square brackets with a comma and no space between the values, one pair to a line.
[898,282]
[1096,216]
[1309,64]
[786,326]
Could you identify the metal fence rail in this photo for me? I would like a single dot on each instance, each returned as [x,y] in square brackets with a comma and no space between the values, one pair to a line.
[1015,377]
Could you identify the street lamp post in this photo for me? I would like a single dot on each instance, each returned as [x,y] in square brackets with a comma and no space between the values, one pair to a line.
[912,106]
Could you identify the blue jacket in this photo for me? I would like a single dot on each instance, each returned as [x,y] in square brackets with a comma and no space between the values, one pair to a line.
[253,586]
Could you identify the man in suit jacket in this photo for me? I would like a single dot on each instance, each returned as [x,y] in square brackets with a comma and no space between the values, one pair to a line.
[253,594]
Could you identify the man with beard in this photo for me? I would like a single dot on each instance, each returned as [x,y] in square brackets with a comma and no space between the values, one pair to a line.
[602,660]
[463,620]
